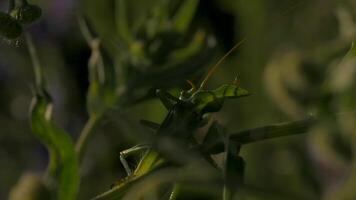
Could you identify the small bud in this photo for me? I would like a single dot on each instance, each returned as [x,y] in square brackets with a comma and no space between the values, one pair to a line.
[27,13]
[9,27]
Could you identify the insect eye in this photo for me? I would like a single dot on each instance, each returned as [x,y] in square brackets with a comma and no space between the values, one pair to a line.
[9,27]
[27,13]
[183,95]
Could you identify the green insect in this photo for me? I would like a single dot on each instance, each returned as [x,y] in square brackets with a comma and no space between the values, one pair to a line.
[186,114]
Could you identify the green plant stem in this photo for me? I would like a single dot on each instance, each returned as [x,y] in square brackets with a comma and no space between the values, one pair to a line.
[175,191]
[85,135]
[37,69]
[35,63]
[273,131]
[265,133]
[226,194]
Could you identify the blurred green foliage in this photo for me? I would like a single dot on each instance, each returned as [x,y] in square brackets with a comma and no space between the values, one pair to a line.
[293,62]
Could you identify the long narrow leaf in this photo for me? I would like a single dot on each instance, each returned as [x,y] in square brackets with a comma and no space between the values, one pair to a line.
[185,14]
[122,21]
[64,163]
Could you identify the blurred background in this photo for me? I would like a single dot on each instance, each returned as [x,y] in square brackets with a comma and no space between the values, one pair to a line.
[293,62]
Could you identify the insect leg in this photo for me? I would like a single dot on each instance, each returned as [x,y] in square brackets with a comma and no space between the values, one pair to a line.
[127,152]
[167,99]
[152,125]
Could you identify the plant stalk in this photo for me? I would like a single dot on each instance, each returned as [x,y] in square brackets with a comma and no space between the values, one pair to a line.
[39,82]
[273,131]
[265,133]
[175,191]
[85,135]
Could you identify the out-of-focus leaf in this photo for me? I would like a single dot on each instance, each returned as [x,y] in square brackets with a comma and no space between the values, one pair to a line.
[102,19]
[342,85]
[101,93]
[99,98]
[164,77]
[29,187]
[343,76]
[352,51]
[59,145]
[138,15]
[149,124]
[185,14]
[282,75]
[121,20]
[192,48]
[212,100]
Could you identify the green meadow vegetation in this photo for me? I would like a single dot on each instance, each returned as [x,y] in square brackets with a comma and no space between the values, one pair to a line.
[178,99]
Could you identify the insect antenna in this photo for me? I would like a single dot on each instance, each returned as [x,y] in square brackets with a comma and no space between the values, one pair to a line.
[212,70]
[192,86]
[236,80]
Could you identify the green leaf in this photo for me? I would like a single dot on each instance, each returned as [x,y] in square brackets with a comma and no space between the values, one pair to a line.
[101,93]
[122,22]
[212,100]
[195,45]
[185,15]
[63,164]
[352,52]
[100,98]
[342,77]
